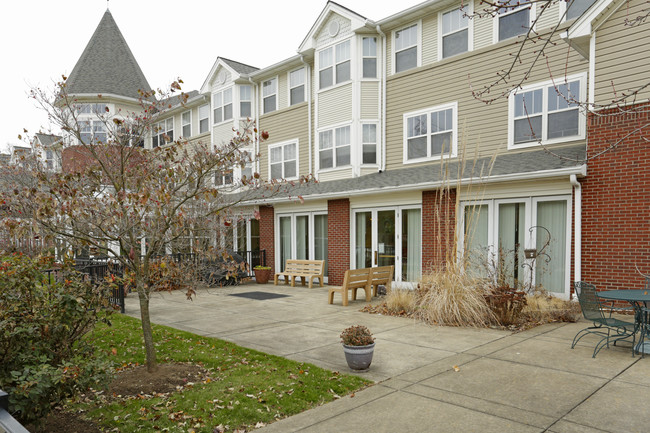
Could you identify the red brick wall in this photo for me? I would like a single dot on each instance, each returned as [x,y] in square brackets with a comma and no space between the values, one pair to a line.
[338,242]
[616,201]
[267,234]
[438,228]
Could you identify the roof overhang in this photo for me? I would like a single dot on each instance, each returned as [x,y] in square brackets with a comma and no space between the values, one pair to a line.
[579,33]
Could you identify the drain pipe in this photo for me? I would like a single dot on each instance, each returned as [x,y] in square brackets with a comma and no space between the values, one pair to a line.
[256,118]
[577,187]
[382,166]
[308,81]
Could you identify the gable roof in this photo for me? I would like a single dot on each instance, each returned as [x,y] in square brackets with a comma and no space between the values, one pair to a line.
[331,7]
[47,139]
[107,65]
[240,68]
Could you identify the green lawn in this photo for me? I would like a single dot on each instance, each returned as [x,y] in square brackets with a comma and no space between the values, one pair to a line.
[246,387]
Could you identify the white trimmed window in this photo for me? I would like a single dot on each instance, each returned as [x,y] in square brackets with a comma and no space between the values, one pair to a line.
[431,133]
[163,132]
[455,32]
[245,101]
[334,65]
[575,8]
[91,108]
[223,178]
[222,106]
[186,124]
[406,48]
[297,86]
[204,118]
[369,143]
[513,20]
[270,95]
[547,113]
[369,57]
[93,131]
[283,160]
[334,148]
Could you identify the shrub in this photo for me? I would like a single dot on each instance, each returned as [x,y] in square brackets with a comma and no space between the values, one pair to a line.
[453,297]
[43,358]
[506,303]
[357,336]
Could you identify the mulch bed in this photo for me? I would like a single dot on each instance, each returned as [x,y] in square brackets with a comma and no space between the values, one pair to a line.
[128,383]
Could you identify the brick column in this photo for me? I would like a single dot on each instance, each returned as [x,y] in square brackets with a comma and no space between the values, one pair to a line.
[267,234]
[338,242]
[616,200]
[438,228]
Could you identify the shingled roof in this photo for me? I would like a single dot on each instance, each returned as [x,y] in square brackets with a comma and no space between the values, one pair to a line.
[240,68]
[107,65]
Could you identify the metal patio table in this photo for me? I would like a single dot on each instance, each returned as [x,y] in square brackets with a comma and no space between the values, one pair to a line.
[639,299]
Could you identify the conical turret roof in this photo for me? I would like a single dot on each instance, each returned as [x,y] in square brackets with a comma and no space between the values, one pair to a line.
[107,65]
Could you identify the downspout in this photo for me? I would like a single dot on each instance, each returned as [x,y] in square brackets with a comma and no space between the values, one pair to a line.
[382,166]
[302,59]
[577,187]
[257,125]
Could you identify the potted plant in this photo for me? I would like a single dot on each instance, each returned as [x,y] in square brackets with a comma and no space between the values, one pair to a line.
[262,274]
[358,346]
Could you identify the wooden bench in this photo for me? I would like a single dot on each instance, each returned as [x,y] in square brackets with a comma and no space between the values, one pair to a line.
[304,269]
[381,276]
[354,279]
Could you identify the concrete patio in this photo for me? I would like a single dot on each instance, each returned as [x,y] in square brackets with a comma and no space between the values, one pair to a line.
[526,382]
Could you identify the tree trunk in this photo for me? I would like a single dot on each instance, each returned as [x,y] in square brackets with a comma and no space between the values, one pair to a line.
[147,332]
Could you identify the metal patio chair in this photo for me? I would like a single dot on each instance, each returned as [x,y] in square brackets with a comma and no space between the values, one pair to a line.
[609,328]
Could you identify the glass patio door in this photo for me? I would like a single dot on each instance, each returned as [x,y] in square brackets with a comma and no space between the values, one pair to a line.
[389,237]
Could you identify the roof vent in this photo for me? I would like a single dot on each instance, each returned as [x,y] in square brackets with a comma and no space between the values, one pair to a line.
[334,28]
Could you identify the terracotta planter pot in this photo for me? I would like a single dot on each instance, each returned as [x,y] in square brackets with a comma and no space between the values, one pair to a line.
[262,275]
[359,357]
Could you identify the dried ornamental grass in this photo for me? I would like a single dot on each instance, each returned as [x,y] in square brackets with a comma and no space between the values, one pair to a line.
[400,301]
[452,297]
[543,307]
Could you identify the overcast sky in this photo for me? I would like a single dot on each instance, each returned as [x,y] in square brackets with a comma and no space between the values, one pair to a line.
[42,39]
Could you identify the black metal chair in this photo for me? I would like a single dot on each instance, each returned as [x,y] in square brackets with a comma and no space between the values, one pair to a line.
[603,326]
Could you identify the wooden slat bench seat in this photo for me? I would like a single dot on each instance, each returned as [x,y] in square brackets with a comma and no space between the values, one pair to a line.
[381,276]
[354,279]
[305,269]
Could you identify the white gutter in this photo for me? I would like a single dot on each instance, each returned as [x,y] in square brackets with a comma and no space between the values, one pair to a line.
[382,166]
[254,95]
[544,174]
[302,59]
[578,227]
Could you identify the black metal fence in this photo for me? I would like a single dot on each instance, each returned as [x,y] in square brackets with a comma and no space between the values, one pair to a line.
[8,423]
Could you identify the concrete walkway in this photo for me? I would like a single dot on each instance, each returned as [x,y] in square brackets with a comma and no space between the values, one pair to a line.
[526,382]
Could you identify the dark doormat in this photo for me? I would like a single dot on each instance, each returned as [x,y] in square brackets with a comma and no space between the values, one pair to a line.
[259,296]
